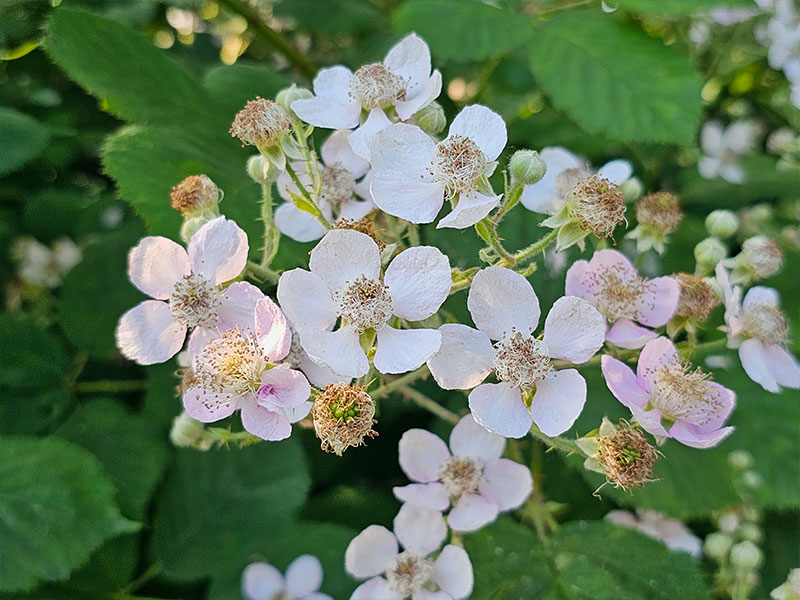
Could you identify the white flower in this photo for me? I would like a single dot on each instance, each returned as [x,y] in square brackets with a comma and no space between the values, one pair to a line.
[45,266]
[345,283]
[758,327]
[262,581]
[340,171]
[396,575]
[790,589]
[479,482]
[412,174]
[723,147]
[564,170]
[675,535]
[188,292]
[317,374]
[505,308]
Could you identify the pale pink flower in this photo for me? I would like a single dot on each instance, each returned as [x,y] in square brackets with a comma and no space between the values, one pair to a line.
[611,283]
[675,535]
[669,399]
[723,148]
[262,581]
[412,174]
[340,172]
[479,483]
[505,308]
[240,371]
[187,289]
[345,284]
[759,329]
[395,575]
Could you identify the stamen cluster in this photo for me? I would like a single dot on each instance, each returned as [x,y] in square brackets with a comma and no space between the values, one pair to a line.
[766,323]
[457,163]
[697,298]
[365,303]
[660,211]
[685,394]
[195,301]
[409,573]
[521,360]
[461,475]
[597,205]
[231,364]
[627,457]
[343,417]
[375,86]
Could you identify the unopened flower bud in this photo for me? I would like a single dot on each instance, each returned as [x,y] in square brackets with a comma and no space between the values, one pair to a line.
[781,140]
[288,95]
[722,223]
[751,532]
[709,252]
[729,521]
[261,170]
[195,195]
[191,226]
[762,257]
[752,479]
[717,545]
[343,417]
[632,190]
[697,298]
[740,460]
[527,167]
[261,123]
[746,555]
[431,119]
[186,431]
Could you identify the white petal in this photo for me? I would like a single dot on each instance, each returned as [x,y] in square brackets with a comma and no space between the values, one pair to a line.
[218,250]
[711,138]
[355,210]
[708,167]
[471,512]
[362,137]
[370,552]
[452,572]
[319,375]
[422,96]
[419,529]
[261,581]
[200,336]
[424,594]
[402,350]
[558,401]
[499,408]
[327,113]
[303,575]
[422,455]
[339,350]
[760,295]
[377,587]
[272,330]
[298,224]
[627,334]
[156,264]
[264,423]
[784,366]
[501,300]
[306,300]
[293,414]
[336,151]
[343,255]
[617,171]
[507,483]
[238,305]
[410,58]
[402,147]
[407,197]
[471,208]
[470,439]
[463,360]
[148,334]
[732,172]
[432,496]
[574,330]
[333,83]
[484,127]
[755,360]
[419,282]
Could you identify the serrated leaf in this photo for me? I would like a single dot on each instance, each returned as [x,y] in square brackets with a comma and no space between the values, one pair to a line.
[22,138]
[678,7]
[614,79]
[474,30]
[56,507]
[232,86]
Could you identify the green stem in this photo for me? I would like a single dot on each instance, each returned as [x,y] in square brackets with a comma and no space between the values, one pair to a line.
[262,273]
[110,386]
[558,443]
[272,237]
[431,406]
[510,200]
[304,192]
[487,229]
[400,382]
[537,246]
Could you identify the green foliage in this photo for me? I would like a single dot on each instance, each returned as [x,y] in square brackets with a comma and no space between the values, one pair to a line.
[22,138]
[333,17]
[232,86]
[678,7]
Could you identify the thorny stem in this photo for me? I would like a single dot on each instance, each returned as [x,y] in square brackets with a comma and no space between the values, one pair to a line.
[537,246]
[399,382]
[110,386]
[262,273]
[431,406]
[318,214]
[557,442]
[272,236]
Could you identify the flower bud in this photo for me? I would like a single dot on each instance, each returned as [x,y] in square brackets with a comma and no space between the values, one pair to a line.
[740,460]
[722,223]
[698,298]
[343,417]
[746,555]
[781,140]
[195,195]
[261,170]
[431,119]
[660,211]
[632,190]
[752,479]
[762,257]
[709,252]
[526,167]
[186,431]
[751,532]
[191,226]
[288,95]
[717,545]
[729,521]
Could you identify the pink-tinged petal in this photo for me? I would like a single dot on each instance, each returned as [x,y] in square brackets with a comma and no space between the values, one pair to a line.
[238,305]
[471,512]
[470,439]
[471,208]
[156,264]
[617,171]
[377,587]
[577,284]
[148,333]
[218,251]
[339,350]
[422,455]
[336,151]
[342,256]
[755,361]
[199,337]
[362,137]
[506,483]
[282,388]
[463,360]
[432,496]
[724,400]
[623,383]
[760,295]
[264,423]
[558,401]
[419,529]
[306,300]
[403,148]
[333,83]
[452,572]
[410,58]
[370,552]
[419,281]
[501,300]
[650,420]
[658,302]
[272,330]
[693,436]
[627,334]
[303,575]
[298,224]
[421,97]
[208,408]
[499,408]
[574,330]
[355,210]
[261,581]
[326,113]
[785,368]
[402,350]
[406,196]
[294,414]
[655,354]
[484,127]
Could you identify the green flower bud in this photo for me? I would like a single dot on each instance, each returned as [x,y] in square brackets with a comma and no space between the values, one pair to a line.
[751,532]
[722,223]
[709,252]
[294,92]
[746,555]
[261,170]
[752,479]
[185,431]
[740,460]
[431,119]
[526,167]
[717,545]
[632,190]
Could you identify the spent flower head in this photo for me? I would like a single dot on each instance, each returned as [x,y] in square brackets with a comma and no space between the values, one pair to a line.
[343,417]
[658,215]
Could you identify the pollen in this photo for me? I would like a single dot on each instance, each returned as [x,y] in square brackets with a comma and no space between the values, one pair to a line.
[521,360]
[343,417]
[194,194]
[762,256]
[408,574]
[627,457]
[261,123]
[767,323]
[461,475]
[337,185]
[617,294]
[457,164]
[195,301]
[660,211]
[597,205]
[697,298]
[375,86]
[364,226]
[365,303]
[685,394]
[231,364]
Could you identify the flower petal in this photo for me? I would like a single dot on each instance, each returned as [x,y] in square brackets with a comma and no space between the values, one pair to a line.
[627,334]
[208,408]
[421,455]
[355,210]
[541,197]
[261,581]
[298,224]
[370,552]
[419,282]
[294,414]
[404,148]
[272,330]
[452,572]
[756,363]
[463,360]
[616,171]
[362,137]
[303,575]
[470,439]
[339,350]
[156,264]
[317,374]
[420,97]
[499,408]
[326,113]
[659,301]
[333,83]
[471,512]
[484,127]
[148,333]
[574,330]
[377,587]
[410,58]
[407,197]
[432,496]
[506,483]
[401,350]
[760,295]
[306,300]
[336,150]
[238,305]
[655,354]
[218,251]
[419,529]
[472,206]
[264,423]
[692,436]
[558,401]
[623,383]
[281,388]
[501,300]
[342,256]
[783,363]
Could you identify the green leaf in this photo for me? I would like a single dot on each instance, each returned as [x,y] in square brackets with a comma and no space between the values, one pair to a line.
[225,503]
[332,17]
[25,412]
[56,507]
[109,569]
[133,452]
[583,559]
[678,7]
[232,86]
[22,138]
[463,30]
[32,357]
[616,80]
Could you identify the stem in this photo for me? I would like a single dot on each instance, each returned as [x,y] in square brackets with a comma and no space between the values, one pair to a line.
[110,386]
[262,273]
[272,236]
[537,246]
[692,351]
[270,36]
[400,382]
[319,216]
[431,406]
[509,201]
[558,443]
[487,229]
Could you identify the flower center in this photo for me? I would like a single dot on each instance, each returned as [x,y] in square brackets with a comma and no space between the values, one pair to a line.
[231,364]
[697,298]
[762,256]
[337,185]
[195,301]
[457,163]
[343,417]
[660,211]
[627,457]
[375,86]
[365,303]
[685,395]
[617,296]
[766,323]
[261,123]
[521,360]
[461,475]
[597,204]
[408,574]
